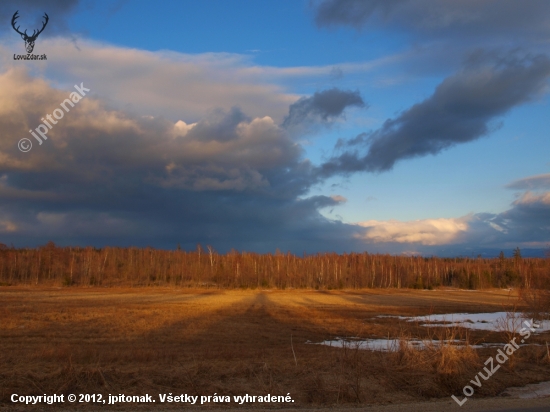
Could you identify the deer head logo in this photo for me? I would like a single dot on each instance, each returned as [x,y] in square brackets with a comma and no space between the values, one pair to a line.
[29,40]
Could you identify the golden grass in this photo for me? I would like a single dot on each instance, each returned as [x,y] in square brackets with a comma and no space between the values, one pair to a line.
[153,340]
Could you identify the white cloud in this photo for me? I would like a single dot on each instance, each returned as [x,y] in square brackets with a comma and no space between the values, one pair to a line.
[174,85]
[426,232]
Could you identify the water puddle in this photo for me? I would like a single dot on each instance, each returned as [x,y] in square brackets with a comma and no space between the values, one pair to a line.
[490,321]
[386,345]
[393,345]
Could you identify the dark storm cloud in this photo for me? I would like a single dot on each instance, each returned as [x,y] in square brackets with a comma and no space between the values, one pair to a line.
[464,17]
[104,177]
[460,110]
[322,107]
[31,12]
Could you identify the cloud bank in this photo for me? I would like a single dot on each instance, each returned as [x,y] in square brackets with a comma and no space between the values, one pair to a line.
[107,176]
[173,148]
[526,224]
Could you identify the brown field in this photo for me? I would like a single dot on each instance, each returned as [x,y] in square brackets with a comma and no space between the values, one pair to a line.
[200,342]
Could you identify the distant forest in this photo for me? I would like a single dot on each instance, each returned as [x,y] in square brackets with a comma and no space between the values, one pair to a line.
[137,267]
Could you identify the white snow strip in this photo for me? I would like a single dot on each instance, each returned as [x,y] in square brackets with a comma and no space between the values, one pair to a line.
[496,321]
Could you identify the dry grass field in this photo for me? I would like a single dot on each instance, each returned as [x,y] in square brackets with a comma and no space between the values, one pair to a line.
[201,342]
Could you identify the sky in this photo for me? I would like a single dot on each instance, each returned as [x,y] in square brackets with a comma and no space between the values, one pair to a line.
[386,126]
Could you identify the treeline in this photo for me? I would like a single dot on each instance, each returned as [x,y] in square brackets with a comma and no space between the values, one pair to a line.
[135,267]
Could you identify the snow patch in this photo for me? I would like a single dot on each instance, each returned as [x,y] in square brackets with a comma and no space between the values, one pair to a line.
[494,321]
[538,390]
